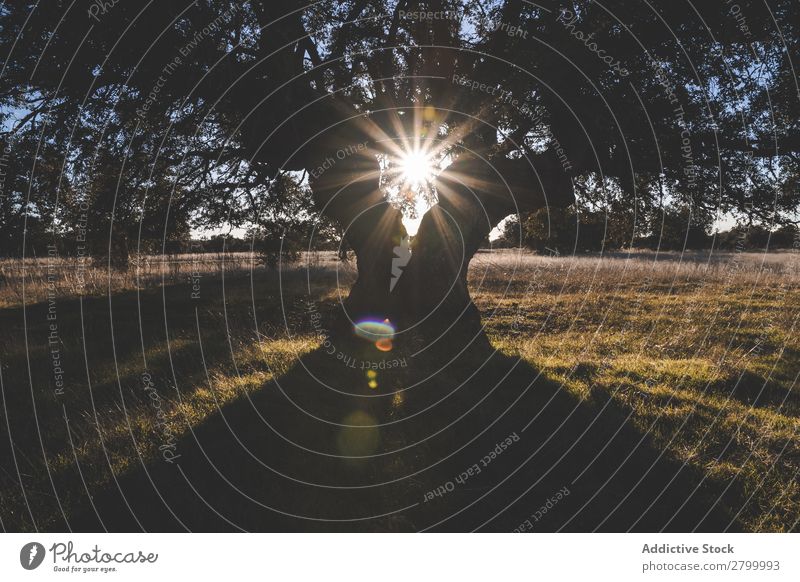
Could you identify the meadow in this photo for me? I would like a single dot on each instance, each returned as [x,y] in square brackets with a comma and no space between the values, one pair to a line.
[105,373]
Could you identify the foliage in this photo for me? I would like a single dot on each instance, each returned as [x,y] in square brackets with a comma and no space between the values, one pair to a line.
[174,116]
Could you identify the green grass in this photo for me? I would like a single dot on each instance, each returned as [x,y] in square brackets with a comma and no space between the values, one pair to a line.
[705,363]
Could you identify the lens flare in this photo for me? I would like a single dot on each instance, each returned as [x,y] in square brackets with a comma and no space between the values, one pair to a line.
[379,333]
[361,438]
[384,345]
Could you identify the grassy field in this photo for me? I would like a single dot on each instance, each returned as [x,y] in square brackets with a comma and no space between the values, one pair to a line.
[698,355]
[704,356]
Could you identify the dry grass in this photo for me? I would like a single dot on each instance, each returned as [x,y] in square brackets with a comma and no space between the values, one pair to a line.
[34,280]
[702,353]
[637,269]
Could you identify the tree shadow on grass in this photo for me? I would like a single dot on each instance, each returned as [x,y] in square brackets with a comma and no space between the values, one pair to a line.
[482,443]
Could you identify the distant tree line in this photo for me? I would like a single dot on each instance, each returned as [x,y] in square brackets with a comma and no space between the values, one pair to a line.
[120,213]
[569,230]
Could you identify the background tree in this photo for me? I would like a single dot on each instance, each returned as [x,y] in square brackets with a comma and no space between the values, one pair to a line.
[32,195]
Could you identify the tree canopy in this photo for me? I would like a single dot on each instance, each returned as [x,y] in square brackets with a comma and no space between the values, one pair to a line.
[128,120]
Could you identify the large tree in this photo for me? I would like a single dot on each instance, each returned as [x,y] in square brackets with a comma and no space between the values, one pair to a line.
[524,105]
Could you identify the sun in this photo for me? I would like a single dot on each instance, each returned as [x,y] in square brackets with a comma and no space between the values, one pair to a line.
[416,168]
[411,181]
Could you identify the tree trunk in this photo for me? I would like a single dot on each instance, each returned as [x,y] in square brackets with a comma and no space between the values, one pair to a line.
[425,298]
[432,296]
[345,187]
[374,236]
[114,253]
